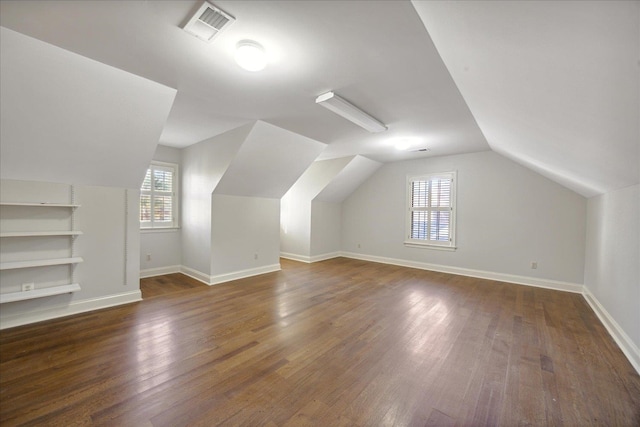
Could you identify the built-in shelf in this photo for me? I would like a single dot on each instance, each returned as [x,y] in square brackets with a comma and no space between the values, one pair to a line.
[51,205]
[32,235]
[39,233]
[39,263]
[39,293]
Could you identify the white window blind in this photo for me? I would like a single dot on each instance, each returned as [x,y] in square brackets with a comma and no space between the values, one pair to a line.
[158,196]
[431,215]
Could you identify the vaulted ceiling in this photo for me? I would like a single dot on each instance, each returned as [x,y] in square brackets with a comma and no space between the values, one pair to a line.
[552,85]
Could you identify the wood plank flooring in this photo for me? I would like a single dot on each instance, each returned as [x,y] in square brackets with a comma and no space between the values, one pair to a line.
[168,284]
[336,343]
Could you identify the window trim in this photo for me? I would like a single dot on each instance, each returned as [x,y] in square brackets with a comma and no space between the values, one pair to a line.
[175,195]
[431,244]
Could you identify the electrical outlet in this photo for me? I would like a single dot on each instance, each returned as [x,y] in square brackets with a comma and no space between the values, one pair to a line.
[148,257]
[28,287]
[534,265]
[358,245]
[255,256]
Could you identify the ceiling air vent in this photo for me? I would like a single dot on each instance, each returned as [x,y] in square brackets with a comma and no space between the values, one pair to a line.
[208,22]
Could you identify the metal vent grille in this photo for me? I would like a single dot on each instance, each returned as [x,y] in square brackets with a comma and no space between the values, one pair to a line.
[214,18]
[208,22]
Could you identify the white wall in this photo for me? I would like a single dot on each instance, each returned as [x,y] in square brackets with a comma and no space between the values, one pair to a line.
[295,225]
[203,165]
[108,217]
[507,217]
[269,162]
[612,260]
[244,236]
[164,247]
[295,221]
[326,229]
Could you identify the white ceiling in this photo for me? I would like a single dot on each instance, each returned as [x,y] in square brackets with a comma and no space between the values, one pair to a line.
[552,85]
[345,182]
[268,163]
[51,133]
[376,54]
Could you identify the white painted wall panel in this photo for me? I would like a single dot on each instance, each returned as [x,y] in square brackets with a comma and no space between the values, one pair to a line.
[326,228]
[244,233]
[507,217]
[295,224]
[164,248]
[613,256]
[203,165]
[295,228]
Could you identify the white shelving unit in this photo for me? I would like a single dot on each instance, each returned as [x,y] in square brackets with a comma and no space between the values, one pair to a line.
[39,263]
[43,204]
[39,233]
[39,293]
[34,263]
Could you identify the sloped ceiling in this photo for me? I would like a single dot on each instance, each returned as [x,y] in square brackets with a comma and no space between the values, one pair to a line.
[553,85]
[376,54]
[316,178]
[357,171]
[333,180]
[205,163]
[67,118]
[268,163]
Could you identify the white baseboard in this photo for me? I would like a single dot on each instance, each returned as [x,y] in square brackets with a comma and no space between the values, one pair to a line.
[195,274]
[625,343]
[310,259]
[322,257]
[241,274]
[227,277]
[159,271]
[491,275]
[295,257]
[73,308]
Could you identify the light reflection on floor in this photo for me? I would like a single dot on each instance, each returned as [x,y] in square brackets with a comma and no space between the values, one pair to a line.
[424,318]
[155,347]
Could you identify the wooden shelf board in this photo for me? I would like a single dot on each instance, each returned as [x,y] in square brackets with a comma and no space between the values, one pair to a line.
[39,293]
[39,263]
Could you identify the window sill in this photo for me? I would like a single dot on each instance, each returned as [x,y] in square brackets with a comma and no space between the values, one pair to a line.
[430,246]
[159,230]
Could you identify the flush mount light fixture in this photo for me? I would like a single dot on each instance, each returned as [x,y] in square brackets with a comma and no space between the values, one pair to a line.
[409,144]
[405,143]
[350,112]
[402,144]
[250,55]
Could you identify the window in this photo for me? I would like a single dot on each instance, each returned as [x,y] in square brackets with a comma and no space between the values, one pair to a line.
[158,196]
[431,210]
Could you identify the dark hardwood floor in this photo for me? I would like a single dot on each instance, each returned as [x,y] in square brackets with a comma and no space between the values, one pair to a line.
[168,284]
[340,342]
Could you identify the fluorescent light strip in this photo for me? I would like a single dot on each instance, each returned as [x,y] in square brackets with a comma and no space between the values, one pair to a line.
[350,112]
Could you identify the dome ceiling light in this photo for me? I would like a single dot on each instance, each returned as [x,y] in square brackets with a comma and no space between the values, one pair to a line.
[250,55]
